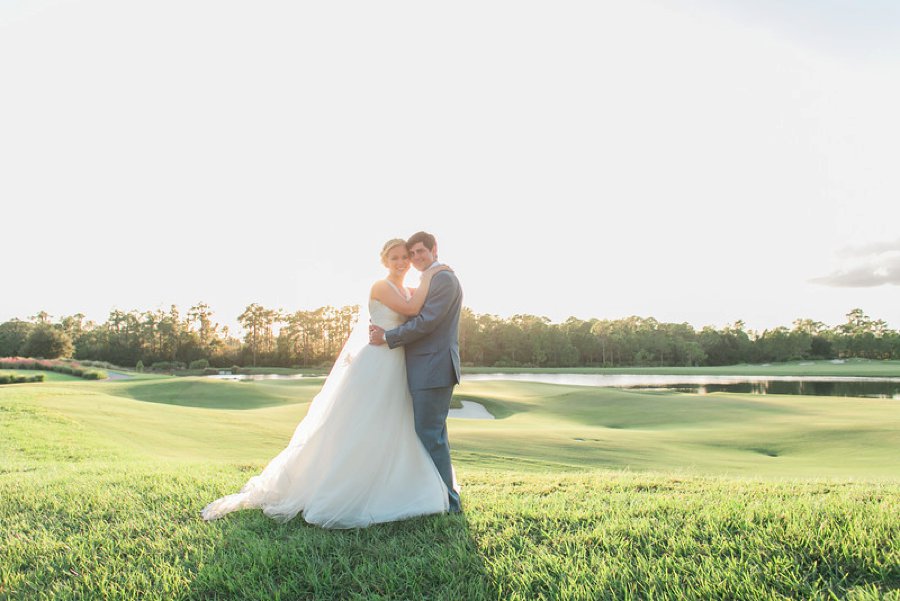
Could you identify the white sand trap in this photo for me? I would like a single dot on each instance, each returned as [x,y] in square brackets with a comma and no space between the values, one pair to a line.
[470,410]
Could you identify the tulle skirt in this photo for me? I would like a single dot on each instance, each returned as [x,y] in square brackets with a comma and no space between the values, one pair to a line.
[355,459]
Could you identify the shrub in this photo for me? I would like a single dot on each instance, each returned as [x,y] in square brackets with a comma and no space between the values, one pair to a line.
[95,375]
[199,364]
[57,366]
[506,363]
[235,369]
[20,379]
[17,363]
[210,371]
[100,364]
[140,366]
[167,365]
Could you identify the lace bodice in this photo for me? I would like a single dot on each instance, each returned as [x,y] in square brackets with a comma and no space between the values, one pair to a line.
[383,316]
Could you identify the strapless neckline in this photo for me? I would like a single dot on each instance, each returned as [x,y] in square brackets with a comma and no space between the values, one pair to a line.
[382,315]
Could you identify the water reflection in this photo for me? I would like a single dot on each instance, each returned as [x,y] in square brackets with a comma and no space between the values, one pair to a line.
[883,388]
[255,377]
[879,388]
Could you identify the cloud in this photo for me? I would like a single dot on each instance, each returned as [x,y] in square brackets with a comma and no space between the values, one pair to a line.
[870,265]
[869,250]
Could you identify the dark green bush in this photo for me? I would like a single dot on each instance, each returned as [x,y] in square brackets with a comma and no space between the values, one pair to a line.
[100,364]
[167,365]
[20,379]
[199,364]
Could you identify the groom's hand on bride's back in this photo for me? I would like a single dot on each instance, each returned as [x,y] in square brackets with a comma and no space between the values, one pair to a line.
[376,335]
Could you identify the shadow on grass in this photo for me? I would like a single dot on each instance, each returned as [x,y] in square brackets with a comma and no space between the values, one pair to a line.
[432,557]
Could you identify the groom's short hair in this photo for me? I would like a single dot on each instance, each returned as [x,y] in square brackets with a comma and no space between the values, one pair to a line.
[424,237]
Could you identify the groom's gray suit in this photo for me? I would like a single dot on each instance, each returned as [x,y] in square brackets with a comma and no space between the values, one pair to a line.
[431,339]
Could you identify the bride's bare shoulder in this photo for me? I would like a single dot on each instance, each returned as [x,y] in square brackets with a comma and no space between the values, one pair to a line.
[381,290]
[378,287]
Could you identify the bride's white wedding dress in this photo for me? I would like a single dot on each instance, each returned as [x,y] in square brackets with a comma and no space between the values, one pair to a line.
[355,459]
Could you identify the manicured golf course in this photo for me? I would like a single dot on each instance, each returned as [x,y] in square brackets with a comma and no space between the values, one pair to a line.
[572,492]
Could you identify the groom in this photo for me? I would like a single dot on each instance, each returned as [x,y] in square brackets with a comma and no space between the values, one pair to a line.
[431,339]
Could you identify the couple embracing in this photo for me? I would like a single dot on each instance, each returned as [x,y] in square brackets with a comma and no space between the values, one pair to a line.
[373,446]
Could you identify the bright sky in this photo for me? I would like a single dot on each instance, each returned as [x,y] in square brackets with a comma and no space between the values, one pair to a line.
[692,160]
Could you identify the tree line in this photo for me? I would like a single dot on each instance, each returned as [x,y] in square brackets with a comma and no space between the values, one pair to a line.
[273,337]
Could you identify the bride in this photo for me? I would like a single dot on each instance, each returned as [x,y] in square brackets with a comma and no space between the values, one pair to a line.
[355,459]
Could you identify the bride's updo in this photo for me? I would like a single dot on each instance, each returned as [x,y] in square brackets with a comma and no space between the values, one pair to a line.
[388,246]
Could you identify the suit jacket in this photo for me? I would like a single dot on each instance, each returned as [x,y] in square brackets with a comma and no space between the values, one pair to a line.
[431,338]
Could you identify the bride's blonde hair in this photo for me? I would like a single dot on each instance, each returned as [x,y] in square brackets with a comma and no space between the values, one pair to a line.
[389,245]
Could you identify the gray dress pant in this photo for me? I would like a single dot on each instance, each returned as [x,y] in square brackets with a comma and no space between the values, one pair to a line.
[430,407]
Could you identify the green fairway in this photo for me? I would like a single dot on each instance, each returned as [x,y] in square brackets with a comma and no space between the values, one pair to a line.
[217,394]
[572,492]
[540,427]
[545,426]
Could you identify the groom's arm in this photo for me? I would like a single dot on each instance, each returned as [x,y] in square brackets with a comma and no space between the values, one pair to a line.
[437,305]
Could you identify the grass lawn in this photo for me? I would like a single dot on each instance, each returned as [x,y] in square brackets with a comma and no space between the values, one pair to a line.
[572,493]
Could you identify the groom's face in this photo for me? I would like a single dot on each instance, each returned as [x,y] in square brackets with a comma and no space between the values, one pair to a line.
[421,257]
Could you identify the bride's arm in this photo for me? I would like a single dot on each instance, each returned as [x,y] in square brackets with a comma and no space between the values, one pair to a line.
[384,292]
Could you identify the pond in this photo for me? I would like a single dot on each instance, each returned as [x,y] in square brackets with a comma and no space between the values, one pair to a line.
[255,377]
[881,388]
